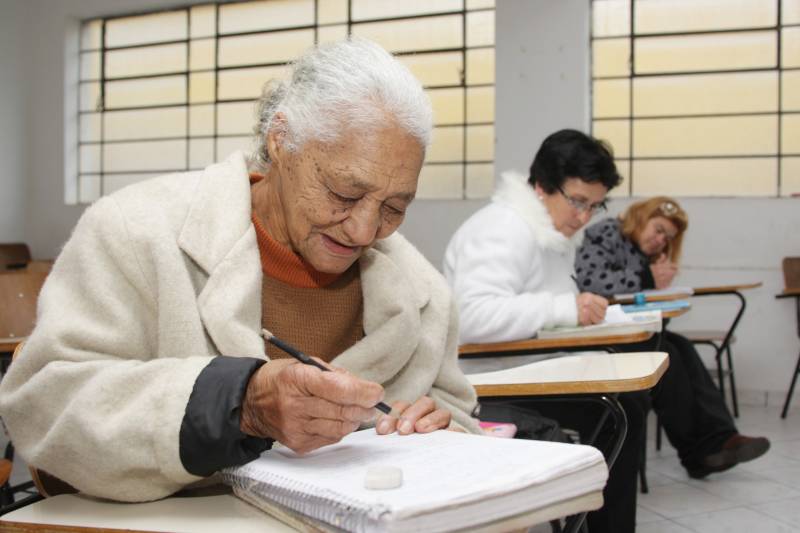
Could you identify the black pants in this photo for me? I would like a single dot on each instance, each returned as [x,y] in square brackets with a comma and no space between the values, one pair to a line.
[688,403]
[618,514]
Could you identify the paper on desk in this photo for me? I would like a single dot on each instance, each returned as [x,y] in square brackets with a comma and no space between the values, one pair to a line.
[615,315]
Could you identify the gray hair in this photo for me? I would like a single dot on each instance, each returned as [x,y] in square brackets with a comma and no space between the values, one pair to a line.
[333,87]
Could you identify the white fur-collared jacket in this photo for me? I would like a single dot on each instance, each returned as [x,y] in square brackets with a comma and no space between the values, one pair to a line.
[510,270]
[158,279]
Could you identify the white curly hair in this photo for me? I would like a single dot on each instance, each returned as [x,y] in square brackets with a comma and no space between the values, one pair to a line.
[338,86]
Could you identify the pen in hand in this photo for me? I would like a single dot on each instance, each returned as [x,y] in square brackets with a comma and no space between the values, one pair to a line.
[306,360]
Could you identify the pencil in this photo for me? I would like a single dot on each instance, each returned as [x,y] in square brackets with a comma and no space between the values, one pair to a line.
[306,360]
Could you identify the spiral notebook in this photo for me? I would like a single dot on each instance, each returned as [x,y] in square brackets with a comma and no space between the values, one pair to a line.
[617,322]
[451,481]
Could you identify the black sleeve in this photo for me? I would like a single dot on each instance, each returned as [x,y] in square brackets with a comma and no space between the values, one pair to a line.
[210,438]
[607,263]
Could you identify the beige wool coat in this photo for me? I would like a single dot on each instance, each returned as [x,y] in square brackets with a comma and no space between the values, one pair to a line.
[158,279]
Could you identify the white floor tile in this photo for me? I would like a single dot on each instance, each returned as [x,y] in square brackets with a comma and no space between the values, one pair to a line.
[645,516]
[657,479]
[744,487]
[667,466]
[734,520]
[665,526]
[786,448]
[679,499]
[787,511]
[787,476]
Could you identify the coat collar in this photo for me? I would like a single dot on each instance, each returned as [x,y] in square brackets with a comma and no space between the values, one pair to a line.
[219,237]
[514,191]
[222,194]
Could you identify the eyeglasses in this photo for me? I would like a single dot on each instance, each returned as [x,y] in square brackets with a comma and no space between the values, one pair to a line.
[581,206]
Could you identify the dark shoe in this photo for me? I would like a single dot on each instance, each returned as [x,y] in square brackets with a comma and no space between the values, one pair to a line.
[735,450]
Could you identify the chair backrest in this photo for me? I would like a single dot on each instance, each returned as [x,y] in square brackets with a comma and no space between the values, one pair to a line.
[19,292]
[14,255]
[791,272]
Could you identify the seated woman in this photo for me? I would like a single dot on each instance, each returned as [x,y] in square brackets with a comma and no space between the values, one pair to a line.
[640,250]
[510,267]
[146,371]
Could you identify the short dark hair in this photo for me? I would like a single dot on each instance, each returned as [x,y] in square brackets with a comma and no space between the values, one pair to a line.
[573,154]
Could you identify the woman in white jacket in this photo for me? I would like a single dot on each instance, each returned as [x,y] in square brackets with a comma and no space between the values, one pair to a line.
[510,266]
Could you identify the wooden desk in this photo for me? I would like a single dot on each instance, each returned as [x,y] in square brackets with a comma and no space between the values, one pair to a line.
[674,313]
[209,514]
[788,293]
[597,373]
[725,289]
[588,378]
[206,514]
[619,299]
[9,344]
[528,346]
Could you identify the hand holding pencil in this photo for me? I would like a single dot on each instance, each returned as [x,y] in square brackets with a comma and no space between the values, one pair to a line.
[303,408]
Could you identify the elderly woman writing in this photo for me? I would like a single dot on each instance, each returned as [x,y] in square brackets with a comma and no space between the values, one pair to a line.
[640,250]
[146,371]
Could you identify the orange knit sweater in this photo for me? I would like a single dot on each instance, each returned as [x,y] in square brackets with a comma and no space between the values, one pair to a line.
[319,313]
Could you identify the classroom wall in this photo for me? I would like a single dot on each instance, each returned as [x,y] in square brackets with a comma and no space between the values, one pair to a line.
[542,85]
[14,18]
[44,34]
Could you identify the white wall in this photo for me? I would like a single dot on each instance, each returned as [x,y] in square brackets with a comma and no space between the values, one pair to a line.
[49,64]
[542,85]
[14,82]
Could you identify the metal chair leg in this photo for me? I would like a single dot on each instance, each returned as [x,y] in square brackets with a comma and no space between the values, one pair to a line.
[732,381]
[644,488]
[658,434]
[791,389]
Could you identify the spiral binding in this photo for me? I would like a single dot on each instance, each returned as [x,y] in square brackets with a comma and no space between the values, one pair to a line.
[333,508]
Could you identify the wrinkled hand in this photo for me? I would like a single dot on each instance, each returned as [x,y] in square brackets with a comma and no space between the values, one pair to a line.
[591,308]
[420,417]
[664,271]
[305,408]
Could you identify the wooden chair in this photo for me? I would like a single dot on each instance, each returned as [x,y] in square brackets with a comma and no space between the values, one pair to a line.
[791,284]
[19,292]
[14,255]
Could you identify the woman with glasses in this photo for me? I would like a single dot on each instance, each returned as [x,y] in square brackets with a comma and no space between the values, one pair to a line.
[510,267]
[640,250]
[510,263]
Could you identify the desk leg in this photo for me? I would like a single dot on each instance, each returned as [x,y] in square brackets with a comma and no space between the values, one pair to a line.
[797,368]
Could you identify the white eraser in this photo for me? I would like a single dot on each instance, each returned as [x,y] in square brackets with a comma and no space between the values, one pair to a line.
[383,477]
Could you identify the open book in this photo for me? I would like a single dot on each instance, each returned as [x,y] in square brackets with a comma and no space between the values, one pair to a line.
[617,322]
[451,480]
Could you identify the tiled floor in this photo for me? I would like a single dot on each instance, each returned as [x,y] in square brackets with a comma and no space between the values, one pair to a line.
[762,496]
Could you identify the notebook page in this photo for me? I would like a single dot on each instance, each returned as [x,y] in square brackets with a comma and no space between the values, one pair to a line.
[440,469]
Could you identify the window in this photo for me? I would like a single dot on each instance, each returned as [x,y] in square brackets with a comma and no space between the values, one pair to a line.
[175,90]
[699,97]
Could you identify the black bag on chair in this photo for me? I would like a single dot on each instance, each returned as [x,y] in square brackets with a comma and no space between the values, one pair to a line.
[530,424]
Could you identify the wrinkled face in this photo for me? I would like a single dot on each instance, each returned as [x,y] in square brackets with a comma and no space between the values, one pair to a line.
[567,218]
[338,198]
[656,235]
